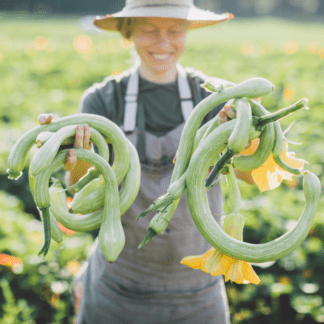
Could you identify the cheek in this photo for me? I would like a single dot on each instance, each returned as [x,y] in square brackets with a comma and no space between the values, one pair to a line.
[181,45]
[182,41]
[141,45]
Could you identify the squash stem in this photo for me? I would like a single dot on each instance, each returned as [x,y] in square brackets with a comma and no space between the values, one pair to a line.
[258,122]
[219,165]
[14,175]
[45,217]
[151,233]
[161,202]
[234,191]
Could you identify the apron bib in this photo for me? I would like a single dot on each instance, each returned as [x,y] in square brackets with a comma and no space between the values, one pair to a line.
[153,274]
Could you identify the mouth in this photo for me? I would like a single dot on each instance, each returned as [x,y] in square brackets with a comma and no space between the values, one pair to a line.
[161,57]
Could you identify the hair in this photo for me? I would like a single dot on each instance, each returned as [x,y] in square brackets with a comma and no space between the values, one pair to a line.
[125,27]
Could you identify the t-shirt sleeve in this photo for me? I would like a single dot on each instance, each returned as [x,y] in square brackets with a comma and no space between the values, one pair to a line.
[99,100]
[199,78]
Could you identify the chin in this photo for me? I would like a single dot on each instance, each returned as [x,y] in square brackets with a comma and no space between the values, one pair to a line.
[163,66]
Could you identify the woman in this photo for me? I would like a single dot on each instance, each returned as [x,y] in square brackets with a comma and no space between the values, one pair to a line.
[151,103]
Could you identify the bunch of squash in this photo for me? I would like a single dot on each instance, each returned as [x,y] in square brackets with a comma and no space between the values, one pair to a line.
[51,202]
[218,146]
[200,147]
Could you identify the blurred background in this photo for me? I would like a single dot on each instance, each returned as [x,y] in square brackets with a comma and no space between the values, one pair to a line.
[50,53]
[240,8]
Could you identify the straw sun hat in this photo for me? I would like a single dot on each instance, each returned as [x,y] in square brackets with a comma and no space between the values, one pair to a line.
[181,9]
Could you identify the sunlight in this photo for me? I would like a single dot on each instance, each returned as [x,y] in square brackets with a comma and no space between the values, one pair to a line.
[291,46]
[289,93]
[40,43]
[82,43]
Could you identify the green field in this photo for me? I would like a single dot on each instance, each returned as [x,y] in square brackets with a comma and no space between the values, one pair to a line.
[45,65]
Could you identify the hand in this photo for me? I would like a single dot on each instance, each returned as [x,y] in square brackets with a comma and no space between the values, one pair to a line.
[82,140]
[226,114]
[45,119]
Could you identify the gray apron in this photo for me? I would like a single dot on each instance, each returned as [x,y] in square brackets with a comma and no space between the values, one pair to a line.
[149,285]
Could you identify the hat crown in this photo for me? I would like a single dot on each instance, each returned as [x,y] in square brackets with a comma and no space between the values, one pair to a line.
[175,9]
[148,3]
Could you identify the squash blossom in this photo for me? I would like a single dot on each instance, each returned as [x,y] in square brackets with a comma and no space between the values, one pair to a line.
[10,261]
[217,263]
[270,175]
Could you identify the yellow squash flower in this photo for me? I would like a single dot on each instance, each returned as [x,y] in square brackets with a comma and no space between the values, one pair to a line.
[217,263]
[270,175]
[198,261]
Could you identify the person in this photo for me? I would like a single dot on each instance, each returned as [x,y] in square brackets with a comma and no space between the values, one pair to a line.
[151,103]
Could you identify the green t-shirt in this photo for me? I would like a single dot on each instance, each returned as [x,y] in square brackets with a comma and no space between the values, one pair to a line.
[161,102]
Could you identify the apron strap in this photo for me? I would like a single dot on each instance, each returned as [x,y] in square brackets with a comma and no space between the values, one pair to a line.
[185,93]
[131,96]
[131,102]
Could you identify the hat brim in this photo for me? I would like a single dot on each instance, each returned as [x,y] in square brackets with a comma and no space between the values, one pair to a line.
[197,17]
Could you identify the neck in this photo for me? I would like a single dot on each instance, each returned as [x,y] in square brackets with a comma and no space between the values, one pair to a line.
[167,76]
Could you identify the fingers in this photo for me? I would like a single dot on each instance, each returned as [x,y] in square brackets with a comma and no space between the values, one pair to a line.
[226,114]
[45,119]
[222,117]
[70,161]
[79,135]
[231,113]
[82,137]
[86,139]
[82,140]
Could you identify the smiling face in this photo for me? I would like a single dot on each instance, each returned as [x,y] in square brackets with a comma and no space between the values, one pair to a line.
[159,43]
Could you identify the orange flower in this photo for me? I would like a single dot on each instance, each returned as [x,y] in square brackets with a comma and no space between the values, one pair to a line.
[252,148]
[217,263]
[62,227]
[9,260]
[270,175]
[65,230]
[69,202]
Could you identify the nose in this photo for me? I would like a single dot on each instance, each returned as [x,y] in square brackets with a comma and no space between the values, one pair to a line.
[162,38]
